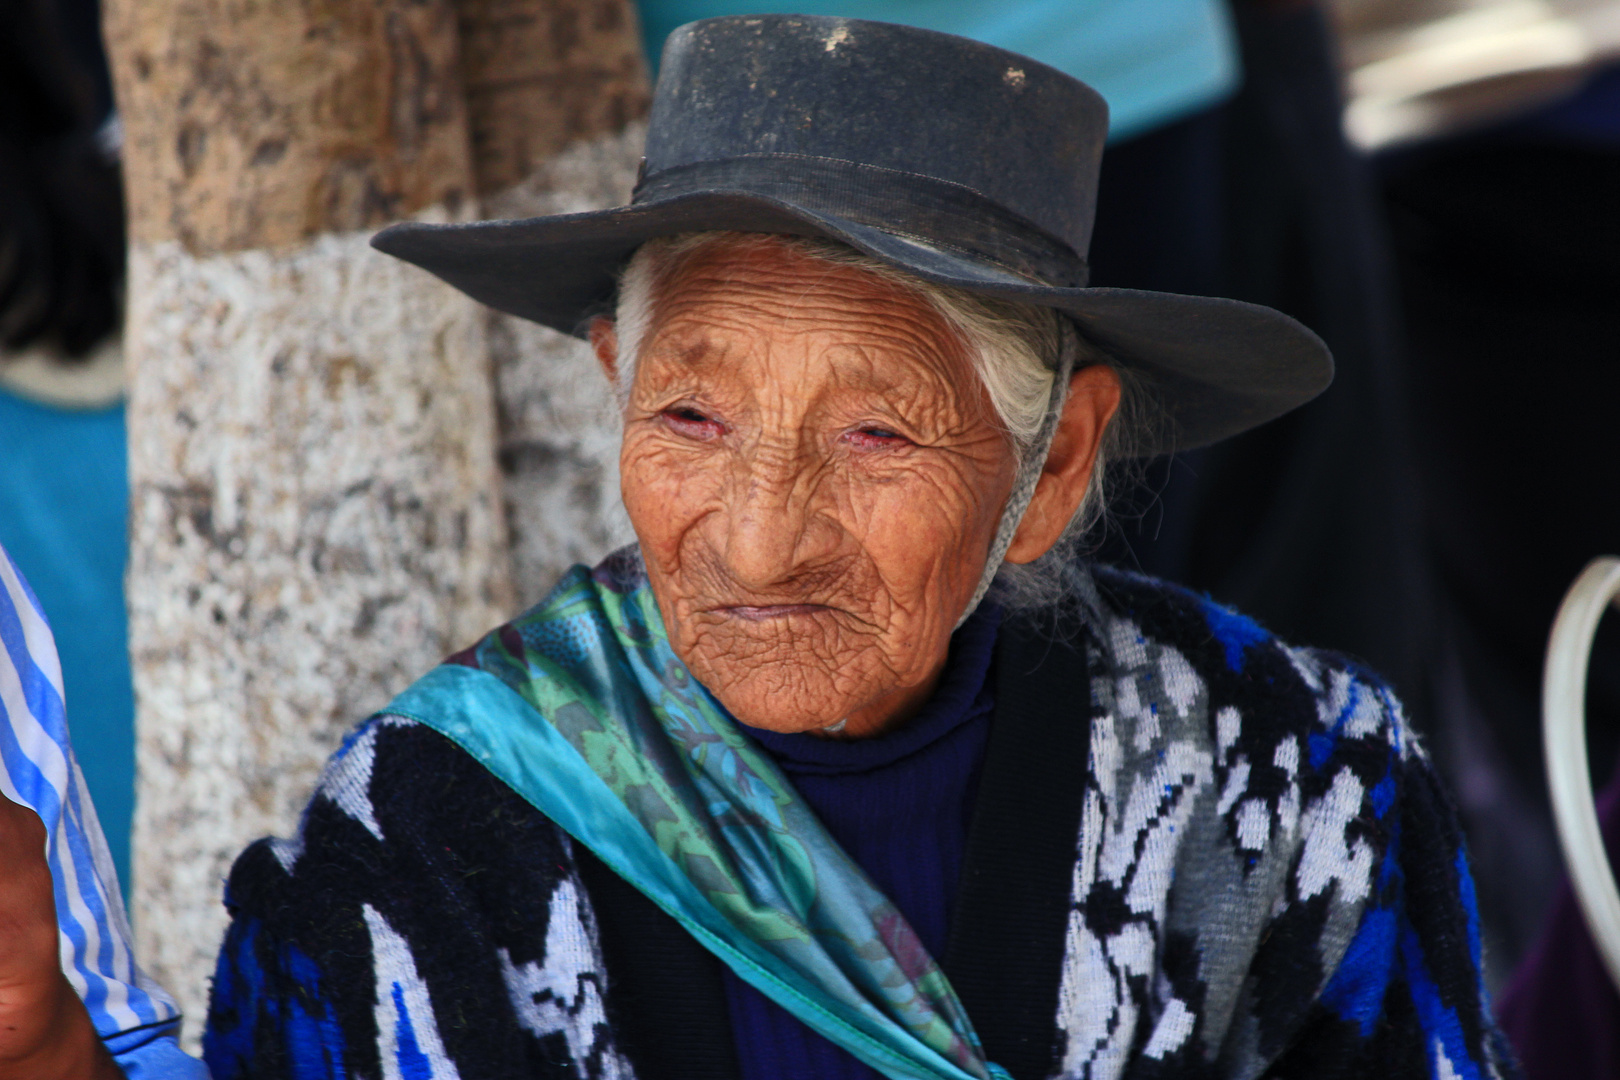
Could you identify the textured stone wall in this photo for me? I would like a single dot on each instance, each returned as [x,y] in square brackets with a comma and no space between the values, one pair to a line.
[335,460]
[252,124]
[314,522]
[542,76]
[316,512]
[559,429]
[556,90]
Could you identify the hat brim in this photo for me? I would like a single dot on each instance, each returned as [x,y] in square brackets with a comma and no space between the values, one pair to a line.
[1215,367]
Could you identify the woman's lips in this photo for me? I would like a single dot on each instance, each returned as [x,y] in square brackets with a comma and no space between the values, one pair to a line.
[765,612]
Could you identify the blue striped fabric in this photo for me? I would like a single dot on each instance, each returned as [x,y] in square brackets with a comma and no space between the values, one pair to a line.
[134,1015]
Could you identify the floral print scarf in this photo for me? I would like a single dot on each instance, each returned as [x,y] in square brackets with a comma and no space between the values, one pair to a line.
[582,707]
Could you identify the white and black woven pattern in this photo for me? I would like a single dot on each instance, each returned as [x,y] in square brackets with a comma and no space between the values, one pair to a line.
[1267,883]
[1240,805]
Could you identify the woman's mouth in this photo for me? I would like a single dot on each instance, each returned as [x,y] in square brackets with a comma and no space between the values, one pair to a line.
[766,612]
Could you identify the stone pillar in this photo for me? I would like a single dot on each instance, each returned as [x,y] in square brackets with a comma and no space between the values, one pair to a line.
[556,92]
[316,513]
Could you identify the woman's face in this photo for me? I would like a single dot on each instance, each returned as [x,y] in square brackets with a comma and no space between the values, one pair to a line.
[815,475]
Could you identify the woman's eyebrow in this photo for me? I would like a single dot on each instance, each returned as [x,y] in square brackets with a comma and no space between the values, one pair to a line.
[912,380]
[688,349]
[664,361]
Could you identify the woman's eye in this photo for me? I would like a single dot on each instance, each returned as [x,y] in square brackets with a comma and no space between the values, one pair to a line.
[690,421]
[875,437]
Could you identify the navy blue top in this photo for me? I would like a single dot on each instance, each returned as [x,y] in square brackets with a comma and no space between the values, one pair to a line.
[900,805]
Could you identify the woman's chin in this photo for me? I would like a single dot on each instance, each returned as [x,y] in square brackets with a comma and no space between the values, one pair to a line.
[771,709]
[778,685]
[783,724]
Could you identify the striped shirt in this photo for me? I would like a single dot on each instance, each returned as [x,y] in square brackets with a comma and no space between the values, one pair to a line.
[135,1017]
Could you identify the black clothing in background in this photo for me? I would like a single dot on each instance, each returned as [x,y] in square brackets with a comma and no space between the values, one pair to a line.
[1309,523]
[1427,512]
[1508,251]
[61,199]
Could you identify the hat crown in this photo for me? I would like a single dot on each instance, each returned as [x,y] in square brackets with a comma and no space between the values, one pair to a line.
[950,160]
[1025,136]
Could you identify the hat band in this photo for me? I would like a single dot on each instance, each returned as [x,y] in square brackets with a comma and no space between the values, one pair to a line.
[930,211]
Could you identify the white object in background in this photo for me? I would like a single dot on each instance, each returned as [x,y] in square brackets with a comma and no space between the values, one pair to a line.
[92,383]
[1563,706]
[1421,69]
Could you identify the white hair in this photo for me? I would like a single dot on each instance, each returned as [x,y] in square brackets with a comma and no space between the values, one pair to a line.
[1013,348]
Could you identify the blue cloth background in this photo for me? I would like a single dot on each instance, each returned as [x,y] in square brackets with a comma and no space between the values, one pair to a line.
[1154,61]
[64,504]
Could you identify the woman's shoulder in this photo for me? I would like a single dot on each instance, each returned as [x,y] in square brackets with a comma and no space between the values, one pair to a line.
[398,810]
[418,896]
[1247,680]
[1266,806]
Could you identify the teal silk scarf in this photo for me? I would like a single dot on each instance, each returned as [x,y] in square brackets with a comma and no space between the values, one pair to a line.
[582,708]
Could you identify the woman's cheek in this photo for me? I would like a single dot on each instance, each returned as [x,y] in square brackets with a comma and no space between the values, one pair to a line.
[918,501]
[928,533]
[664,490]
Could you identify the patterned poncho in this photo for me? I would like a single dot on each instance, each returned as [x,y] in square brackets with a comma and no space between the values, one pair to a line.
[1262,879]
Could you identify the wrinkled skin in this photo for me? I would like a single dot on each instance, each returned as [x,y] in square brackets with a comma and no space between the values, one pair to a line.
[816,475]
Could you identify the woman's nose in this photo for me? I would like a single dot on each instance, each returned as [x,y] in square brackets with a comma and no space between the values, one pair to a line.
[771,529]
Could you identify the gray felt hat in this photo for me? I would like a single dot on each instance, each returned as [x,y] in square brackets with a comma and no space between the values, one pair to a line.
[957,162]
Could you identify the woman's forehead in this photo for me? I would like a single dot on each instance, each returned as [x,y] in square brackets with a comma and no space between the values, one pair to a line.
[774,278]
[749,305]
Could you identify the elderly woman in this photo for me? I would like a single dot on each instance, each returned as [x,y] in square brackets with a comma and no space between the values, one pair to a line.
[850,768]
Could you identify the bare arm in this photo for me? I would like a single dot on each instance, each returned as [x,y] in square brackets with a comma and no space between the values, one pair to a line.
[45,1032]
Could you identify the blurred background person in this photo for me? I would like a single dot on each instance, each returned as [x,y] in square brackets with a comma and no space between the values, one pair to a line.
[1313,524]
[63,485]
[129,1024]
[1496,133]
[1507,249]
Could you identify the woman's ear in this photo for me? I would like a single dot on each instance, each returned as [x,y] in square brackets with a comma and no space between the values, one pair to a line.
[1093,399]
[605,340]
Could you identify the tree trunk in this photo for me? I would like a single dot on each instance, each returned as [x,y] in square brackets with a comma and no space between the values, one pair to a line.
[556,90]
[316,514]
